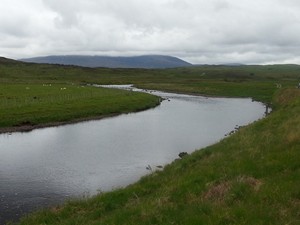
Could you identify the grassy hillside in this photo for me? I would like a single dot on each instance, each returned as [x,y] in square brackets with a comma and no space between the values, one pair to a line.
[252,177]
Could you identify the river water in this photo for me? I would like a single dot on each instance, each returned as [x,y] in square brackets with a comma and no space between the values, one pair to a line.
[47,166]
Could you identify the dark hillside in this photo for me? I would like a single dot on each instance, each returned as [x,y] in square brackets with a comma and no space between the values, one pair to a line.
[4,60]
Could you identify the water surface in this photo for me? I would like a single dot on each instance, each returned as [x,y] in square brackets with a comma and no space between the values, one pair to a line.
[45,166]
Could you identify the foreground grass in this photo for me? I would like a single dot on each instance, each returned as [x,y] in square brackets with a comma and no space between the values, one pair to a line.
[251,177]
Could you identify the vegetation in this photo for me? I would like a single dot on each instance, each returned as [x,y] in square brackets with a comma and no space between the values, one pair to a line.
[36,104]
[251,177]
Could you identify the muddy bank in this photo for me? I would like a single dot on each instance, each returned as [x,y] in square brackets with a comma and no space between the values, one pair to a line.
[29,127]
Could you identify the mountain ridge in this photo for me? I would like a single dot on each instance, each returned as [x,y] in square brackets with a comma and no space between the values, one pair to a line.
[143,61]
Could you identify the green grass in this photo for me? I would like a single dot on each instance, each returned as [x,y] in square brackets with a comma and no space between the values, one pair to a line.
[38,104]
[252,177]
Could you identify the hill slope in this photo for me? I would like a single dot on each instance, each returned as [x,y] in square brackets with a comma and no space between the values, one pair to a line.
[7,61]
[146,61]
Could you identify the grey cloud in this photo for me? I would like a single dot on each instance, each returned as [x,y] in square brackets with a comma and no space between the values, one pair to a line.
[66,12]
[215,31]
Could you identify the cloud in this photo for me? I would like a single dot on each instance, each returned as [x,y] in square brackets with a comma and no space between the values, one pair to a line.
[216,31]
[66,13]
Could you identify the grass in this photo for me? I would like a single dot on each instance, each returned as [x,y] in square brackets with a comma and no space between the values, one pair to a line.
[44,104]
[252,177]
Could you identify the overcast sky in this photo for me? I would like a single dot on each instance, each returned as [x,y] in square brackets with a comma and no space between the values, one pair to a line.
[199,31]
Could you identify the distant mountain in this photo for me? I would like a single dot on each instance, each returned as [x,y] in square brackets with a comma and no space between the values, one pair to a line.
[146,61]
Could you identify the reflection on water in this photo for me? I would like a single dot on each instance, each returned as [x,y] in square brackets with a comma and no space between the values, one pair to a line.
[46,166]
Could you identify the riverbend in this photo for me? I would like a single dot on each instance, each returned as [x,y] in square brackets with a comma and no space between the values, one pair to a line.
[46,166]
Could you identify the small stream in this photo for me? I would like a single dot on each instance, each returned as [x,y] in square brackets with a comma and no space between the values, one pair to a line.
[46,166]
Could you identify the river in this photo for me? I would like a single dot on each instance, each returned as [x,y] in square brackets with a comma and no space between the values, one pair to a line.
[47,166]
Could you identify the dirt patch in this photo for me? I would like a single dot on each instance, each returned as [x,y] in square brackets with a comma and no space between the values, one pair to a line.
[251,181]
[217,192]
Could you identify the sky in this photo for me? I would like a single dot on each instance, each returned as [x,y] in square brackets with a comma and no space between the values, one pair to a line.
[198,31]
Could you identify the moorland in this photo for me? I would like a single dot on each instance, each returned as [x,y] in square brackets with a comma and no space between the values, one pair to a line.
[251,177]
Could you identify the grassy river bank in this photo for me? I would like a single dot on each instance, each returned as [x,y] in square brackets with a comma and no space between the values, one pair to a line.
[251,177]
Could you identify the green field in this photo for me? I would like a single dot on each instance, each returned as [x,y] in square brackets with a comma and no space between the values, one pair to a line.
[37,104]
[251,177]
